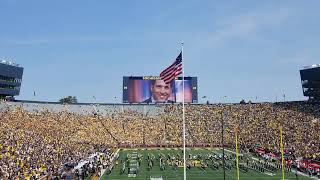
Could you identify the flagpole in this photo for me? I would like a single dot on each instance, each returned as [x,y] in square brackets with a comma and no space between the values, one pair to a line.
[183,119]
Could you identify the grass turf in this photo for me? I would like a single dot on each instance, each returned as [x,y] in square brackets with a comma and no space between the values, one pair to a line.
[194,174]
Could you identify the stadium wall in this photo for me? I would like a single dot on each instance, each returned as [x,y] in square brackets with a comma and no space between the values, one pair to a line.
[82,108]
[106,109]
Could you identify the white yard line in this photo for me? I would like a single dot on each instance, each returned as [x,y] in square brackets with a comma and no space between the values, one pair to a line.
[269,174]
[232,152]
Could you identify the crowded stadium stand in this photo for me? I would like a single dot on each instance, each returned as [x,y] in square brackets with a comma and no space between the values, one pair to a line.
[51,140]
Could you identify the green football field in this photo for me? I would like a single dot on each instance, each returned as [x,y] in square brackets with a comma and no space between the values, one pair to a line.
[172,172]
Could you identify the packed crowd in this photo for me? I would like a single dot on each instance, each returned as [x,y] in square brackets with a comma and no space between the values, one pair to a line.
[40,145]
[37,144]
[255,125]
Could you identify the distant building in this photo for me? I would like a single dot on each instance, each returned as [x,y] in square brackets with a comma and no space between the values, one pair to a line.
[10,79]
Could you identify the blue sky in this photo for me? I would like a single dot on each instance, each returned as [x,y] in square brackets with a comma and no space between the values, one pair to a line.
[238,49]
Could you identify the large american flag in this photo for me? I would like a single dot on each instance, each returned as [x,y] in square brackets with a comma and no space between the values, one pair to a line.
[174,70]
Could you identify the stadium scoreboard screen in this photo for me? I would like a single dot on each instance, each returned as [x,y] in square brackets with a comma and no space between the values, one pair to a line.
[151,89]
[310,80]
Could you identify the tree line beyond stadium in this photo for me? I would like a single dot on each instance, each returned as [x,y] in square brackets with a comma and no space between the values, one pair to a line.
[151,89]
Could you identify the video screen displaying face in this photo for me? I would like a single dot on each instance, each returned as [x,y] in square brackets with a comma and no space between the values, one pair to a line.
[156,91]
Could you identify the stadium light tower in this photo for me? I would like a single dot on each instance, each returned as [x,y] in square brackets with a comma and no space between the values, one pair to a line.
[205,99]
[224,99]
[94,99]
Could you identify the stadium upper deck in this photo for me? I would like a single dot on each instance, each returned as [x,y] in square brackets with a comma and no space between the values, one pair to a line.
[10,78]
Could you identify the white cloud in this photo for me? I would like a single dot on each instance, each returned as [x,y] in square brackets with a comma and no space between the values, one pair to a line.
[303,59]
[56,40]
[247,25]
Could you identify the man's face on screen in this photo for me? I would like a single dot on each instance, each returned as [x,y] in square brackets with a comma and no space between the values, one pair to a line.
[161,91]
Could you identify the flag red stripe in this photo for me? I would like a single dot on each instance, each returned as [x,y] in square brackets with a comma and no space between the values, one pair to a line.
[169,72]
[173,70]
[174,74]
[177,68]
[169,80]
[168,68]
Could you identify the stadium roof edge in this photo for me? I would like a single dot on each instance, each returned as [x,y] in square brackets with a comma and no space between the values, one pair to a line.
[311,66]
[10,63]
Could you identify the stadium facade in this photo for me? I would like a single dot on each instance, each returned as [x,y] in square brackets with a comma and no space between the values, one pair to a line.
[10,79]
[310,80]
